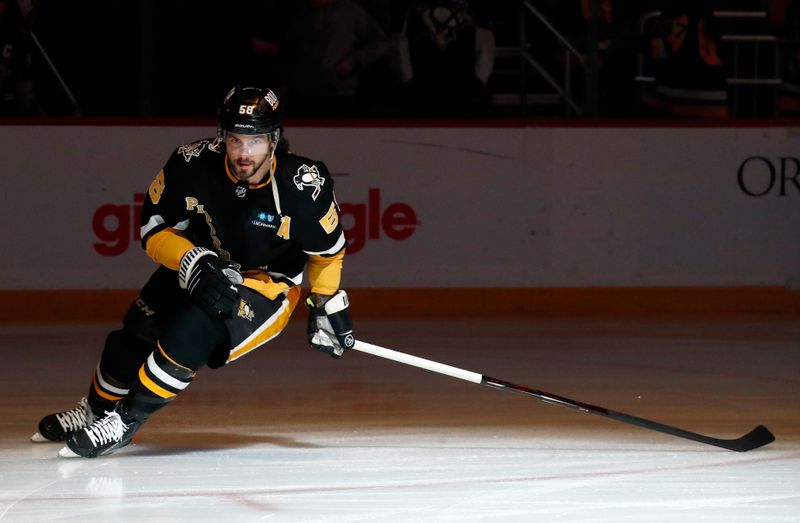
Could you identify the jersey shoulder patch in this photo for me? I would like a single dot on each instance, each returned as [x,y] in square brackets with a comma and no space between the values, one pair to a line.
[193,150]
[305,175]
[309,176]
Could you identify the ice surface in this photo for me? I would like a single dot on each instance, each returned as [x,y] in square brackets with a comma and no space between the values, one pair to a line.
[288,434]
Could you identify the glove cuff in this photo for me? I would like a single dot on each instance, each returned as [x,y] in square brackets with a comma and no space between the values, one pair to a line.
[188,262]
[329,304]
[336,303]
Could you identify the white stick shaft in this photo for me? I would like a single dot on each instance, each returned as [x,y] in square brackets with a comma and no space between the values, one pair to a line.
[416,361]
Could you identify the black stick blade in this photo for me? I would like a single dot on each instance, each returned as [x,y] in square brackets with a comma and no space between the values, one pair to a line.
[758,437]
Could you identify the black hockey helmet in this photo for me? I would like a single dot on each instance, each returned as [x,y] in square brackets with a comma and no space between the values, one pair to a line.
[250,110]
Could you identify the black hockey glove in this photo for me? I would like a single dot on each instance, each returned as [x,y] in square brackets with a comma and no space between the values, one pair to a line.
[330,329]
[209,280]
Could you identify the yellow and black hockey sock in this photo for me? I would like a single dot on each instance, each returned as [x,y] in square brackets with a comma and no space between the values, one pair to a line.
[122,356]
[185,347]
[159,380]
[105,392]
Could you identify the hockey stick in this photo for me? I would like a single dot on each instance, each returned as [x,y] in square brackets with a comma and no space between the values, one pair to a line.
[758,437]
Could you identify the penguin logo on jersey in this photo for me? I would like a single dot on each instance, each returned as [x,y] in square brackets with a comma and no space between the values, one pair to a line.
[309,177]
[192,150]
[245,311]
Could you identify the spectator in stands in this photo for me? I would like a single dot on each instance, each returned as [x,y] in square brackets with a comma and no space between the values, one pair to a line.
[690,78]
[618,48]
[604,19]
[327,46]
[16,85]
[617,28]
[450,56]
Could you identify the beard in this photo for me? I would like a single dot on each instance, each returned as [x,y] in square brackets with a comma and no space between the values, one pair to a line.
[245,171]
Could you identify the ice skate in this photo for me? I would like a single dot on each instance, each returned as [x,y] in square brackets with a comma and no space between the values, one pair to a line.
[59,426]
[104,436]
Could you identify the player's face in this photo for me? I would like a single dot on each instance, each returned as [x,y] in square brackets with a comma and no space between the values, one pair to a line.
[248,155]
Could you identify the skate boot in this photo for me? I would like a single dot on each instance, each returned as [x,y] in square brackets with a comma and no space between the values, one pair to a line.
[104,436]
[59,426]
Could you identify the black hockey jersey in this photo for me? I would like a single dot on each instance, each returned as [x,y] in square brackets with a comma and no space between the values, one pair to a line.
[272,226]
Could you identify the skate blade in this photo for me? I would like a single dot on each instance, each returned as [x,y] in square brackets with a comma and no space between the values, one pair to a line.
[38,438]
[66,452]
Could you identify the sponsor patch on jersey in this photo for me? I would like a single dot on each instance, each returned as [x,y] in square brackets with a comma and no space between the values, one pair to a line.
[309,177]
[192,150]
[264,219]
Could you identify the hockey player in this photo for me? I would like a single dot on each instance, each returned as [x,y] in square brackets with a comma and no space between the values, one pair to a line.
[232,222]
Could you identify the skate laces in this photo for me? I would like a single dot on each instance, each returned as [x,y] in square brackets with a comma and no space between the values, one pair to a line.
[107,430]
[77,418]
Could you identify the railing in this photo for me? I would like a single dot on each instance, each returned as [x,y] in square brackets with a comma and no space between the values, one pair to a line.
[74,107]
[771,81]
[735,80]
[571,57]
